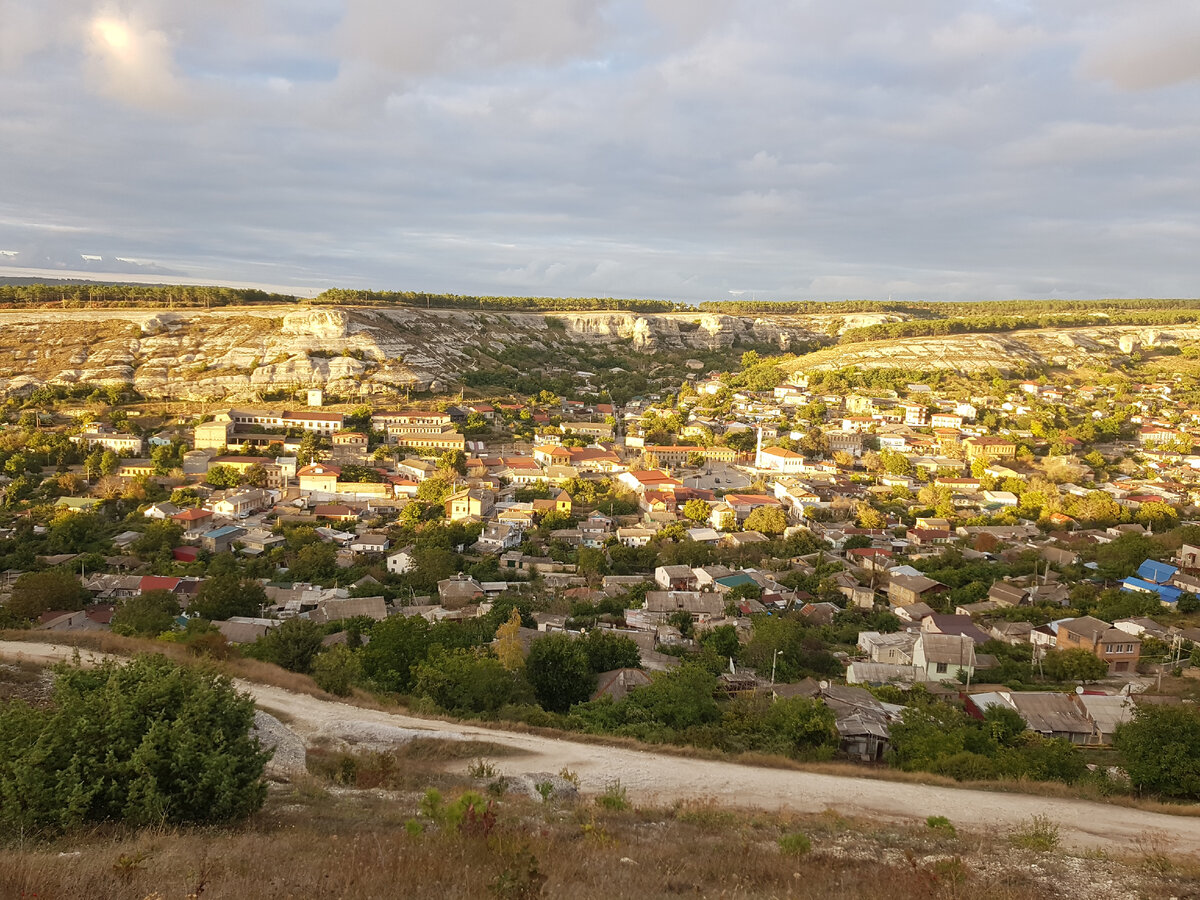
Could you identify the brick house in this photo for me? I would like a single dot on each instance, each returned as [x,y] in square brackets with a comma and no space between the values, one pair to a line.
[1119,649]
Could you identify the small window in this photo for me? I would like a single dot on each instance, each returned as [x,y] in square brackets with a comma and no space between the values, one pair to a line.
[943,668]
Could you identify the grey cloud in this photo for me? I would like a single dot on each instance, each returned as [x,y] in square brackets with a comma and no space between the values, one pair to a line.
[1151,44]
[623,147]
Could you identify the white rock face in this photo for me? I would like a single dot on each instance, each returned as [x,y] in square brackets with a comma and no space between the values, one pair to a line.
[326,324]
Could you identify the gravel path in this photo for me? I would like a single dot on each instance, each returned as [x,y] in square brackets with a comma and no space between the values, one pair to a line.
[651,777]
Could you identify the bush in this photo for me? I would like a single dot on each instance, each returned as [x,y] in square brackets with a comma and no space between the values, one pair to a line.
[140,743]
[614,798]
[942,824]
[336,670]
[1040,833]
[796,844]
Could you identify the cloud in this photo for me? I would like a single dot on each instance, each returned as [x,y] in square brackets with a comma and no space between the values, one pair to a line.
[415,37]
[679,148]
[1151,45]
[132,62]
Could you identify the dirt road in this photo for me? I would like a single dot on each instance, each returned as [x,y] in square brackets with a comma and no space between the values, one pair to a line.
[651,777]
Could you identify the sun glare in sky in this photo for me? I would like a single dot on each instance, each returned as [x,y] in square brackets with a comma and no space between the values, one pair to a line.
[115,35]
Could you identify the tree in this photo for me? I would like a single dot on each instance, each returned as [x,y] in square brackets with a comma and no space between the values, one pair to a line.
[397,645]
[309,451]
[926,733]
[143,742]
[148,614]
[1160,749]
[434,489]
[770,520]
[468,680]
[453,461]
[34,593]
[869,517]
[607,651]
[697,510]
[508,642]
[1157,516]
[1074,665]
[293,645]
[559,671]
[336,670]
[222,476]
[222,596]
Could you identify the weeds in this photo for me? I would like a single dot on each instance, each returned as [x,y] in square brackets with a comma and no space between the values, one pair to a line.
[545,789]
[1040,834]
[129,865]
[481,768]
[614,798]
[521,878]
[567,775]
[942,825]
[795,844]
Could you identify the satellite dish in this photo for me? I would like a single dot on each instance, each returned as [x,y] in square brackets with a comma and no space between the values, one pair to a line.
[824,685]
[1079,690]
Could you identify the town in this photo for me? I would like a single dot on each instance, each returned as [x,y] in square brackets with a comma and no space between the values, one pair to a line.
[850,541]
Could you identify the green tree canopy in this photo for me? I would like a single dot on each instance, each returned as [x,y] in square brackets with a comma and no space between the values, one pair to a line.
[34,593]
[1161,750]
[148,614]
[560,672]
[222,596]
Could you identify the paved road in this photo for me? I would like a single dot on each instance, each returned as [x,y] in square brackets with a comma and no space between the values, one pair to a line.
[652,777]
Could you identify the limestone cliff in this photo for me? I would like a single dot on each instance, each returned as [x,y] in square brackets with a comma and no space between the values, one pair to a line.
[242,353]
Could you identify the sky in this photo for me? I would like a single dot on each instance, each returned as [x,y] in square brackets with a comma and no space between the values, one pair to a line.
[682,149]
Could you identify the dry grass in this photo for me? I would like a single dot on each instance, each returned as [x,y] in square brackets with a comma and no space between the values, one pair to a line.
[313,842]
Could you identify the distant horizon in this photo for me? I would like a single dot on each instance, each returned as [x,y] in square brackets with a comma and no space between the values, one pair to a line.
[31,276]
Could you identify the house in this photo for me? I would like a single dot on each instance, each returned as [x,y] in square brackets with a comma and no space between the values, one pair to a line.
[1052,715]
[943,657]
[161,511]
[1105,712]
[370,543]
[861,721]
[675,578]
[1118,648]
[988,447]
[401,561]
[700,605]
[459,591]
[904,590]
[319,478]
[498,537]
[220,540]
[619,682]
[635,536]
[469,503]
[240,504]
[194,521]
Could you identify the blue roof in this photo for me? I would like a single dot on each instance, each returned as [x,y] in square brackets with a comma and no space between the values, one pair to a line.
[1157,572]
[223,531]
[1165,592]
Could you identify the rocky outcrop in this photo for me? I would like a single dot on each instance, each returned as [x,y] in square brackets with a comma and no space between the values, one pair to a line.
[248,353]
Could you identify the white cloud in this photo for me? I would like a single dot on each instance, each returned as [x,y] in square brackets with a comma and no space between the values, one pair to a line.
[131,62]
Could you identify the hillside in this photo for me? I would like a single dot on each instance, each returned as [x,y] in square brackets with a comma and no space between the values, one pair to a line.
[239,352]
[267,351]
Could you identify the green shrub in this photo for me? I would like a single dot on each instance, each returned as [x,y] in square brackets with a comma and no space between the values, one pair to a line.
[795,844]
[614,798]
[140,742]
[1040,833]
[942,824]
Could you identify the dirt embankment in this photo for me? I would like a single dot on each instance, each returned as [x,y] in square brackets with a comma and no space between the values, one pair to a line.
[651,777]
